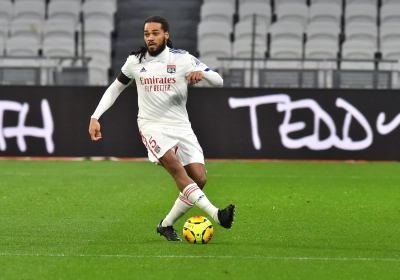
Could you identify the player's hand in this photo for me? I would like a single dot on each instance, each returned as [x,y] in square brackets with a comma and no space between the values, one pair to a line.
[94,129]
[195,77]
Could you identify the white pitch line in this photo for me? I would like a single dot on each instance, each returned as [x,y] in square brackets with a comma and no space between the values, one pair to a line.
[5,254]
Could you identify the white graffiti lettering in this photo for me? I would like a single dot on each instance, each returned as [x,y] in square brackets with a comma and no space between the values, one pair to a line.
[20,131]
[313,141]
[386,129]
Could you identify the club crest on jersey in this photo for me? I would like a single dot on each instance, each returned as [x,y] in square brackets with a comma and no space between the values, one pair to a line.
[171,68]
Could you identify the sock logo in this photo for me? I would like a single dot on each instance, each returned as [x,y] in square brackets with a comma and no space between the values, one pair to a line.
[201,196]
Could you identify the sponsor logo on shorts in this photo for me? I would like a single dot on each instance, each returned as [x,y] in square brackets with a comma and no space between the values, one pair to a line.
[157,149]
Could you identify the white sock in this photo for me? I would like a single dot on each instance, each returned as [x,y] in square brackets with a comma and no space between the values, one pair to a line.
[196,196]
[182,206]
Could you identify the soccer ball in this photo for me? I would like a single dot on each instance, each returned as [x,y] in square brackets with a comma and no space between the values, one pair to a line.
[198,230]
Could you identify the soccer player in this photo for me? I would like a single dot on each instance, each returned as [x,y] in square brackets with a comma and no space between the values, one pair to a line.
[162,75]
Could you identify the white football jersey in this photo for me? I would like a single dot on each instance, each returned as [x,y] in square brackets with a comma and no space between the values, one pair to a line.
[162,85]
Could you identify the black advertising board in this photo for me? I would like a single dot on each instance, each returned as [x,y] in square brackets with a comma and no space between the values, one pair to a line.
[230,123]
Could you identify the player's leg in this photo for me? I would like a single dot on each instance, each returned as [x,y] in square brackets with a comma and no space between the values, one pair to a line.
[182,205]
[197,172]
[193,193]
[157,145]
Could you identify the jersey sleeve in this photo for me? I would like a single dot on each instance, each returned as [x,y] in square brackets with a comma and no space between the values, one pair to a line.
[126,75]
[193,64]
[211,77]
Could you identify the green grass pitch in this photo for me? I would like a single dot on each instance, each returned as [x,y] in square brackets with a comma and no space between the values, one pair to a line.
[294,220]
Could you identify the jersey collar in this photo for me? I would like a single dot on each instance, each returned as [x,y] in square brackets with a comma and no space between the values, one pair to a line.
[162,56]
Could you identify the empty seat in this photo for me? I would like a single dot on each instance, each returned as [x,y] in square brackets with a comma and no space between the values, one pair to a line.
[6,10]
[230,2]
[323,32]
[244,30]
[211,30]
[286,42]
[360,43]
[97,29]
[98,73]
[361,13]
[26,28]
[64,10]
[99,49]
[280,2]
[41,1]
[390,13]
[22,46]
[374,2]
[325,12]
[390,53]
[62,47]
[291,51]
[54,29]
[247,10]
[250,1]
[94,11]
[322,43]
[366,34]
[243,48]
[357,50]
[4,26]
[211,61]
[320,50]
[390,45]
[2,46]
[29,10]
[77,1]
[294,12]
[217,12]
[214,47]
[286,33]
[113,3]
[294,50]
[335,2]
[389,35]
[389,1]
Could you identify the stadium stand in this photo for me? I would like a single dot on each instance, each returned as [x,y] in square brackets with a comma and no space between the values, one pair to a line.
[132,13]
[209,34]
[292,35]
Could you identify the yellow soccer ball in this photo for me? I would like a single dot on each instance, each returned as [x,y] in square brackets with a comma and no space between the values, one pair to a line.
[198,230]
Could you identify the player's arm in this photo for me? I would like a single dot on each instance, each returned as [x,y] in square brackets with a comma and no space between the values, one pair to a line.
[211,77]
[199,71]
[108,99]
